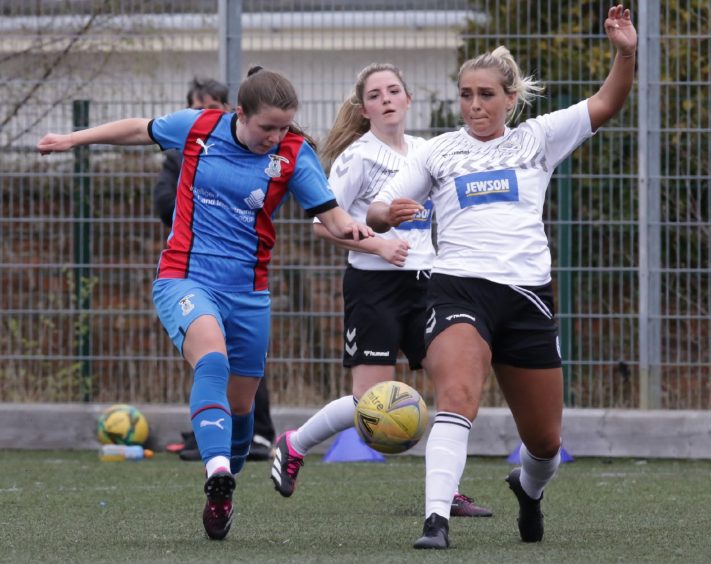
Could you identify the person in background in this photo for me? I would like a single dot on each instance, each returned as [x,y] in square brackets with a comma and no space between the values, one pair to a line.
[490,299]
[202,94]
[213,95]
[211,290]
[386,279]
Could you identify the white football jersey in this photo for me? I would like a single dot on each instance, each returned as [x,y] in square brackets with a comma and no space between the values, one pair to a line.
[489,196]
[356,177]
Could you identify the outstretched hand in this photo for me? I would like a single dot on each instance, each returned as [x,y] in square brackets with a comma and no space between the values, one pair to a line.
[620,30]
[54,142]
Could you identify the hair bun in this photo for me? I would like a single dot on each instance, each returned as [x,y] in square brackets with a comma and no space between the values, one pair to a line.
[253,70]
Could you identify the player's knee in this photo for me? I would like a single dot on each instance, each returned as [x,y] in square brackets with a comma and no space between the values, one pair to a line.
[461,399]
[545,446]
[210,382]
[213,365]
[203,339]
[365,377]
[241,405]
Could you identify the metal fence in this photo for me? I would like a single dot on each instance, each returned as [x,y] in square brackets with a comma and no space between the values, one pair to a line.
[629,215]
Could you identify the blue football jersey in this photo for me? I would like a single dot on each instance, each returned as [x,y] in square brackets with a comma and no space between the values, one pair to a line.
[227,196]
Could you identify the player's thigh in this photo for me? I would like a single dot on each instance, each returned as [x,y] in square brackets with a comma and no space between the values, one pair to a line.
[412,322]
[371,318]
[458,361]
[535,397]
[204,336]
[365,376]
[247,327]
[191,315]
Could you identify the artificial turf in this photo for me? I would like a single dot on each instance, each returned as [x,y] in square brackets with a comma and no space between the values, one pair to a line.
[69,506]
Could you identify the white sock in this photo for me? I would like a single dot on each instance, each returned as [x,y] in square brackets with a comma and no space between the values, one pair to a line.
[536,472]
[445,458]
[215,463]
[329,420]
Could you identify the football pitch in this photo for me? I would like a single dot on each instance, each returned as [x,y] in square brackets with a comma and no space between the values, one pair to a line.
[69,506]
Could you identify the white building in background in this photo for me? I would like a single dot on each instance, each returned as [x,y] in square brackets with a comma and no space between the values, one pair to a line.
[141,64]
[323,52]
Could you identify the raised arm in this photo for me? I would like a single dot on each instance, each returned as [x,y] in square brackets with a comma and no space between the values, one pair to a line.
[132,131]
[607,101]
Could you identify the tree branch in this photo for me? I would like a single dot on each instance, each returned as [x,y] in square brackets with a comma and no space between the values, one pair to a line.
[14,111]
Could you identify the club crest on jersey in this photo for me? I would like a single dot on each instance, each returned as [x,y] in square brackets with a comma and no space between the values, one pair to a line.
[186,305]
[487,187]
[422,219]
[273,170]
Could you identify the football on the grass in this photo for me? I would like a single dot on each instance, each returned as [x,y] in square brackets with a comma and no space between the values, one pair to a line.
[122,424]
[391,417]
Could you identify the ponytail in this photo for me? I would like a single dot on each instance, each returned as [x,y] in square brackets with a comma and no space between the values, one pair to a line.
[348,126]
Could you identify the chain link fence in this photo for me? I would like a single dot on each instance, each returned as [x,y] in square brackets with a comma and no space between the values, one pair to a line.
[629,215]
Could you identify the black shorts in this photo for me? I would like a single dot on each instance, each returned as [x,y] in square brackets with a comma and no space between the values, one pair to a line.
[517,321]
[384,314]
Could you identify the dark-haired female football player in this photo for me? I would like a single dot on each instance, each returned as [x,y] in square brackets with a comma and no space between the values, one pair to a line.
[211,290]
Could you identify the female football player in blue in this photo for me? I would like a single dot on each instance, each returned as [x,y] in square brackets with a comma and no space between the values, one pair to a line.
[490,298]
[211,288]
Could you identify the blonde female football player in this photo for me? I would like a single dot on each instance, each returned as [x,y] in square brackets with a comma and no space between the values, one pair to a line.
[385,282]
[490,300]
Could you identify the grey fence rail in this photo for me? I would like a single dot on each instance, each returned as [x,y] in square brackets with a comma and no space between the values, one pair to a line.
[628,216]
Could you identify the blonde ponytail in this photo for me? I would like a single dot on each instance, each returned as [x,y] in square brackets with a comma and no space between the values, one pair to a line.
[348,126]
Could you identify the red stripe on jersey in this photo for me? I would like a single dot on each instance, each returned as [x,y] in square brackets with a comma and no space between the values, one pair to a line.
[175,258]
[283,161]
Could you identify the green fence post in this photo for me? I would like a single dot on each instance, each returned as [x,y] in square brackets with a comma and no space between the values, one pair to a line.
[82,249]
[565,275]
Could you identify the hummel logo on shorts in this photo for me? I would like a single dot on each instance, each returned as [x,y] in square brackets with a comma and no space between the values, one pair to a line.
[459,316]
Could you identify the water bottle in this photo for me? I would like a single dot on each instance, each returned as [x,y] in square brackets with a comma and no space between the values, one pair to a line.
[117,453]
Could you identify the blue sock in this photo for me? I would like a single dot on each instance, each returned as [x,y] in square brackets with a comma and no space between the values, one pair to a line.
[209,409]
[242,432]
